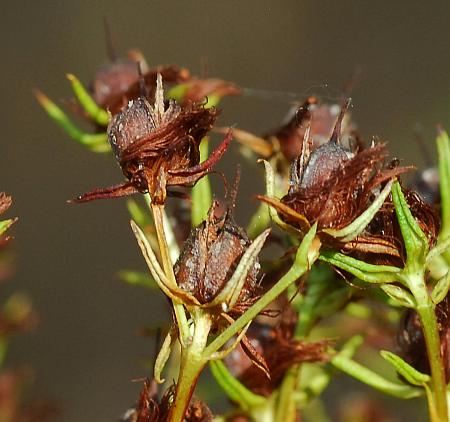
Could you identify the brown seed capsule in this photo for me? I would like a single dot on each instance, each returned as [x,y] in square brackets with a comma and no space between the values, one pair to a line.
[210,256]
[158,146]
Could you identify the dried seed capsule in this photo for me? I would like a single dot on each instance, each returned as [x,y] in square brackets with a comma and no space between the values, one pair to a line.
[158,146]
[210,256]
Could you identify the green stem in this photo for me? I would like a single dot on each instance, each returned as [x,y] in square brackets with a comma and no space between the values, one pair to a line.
[178,308]
[191,365]
[286,408]
[427,316]
[426,310]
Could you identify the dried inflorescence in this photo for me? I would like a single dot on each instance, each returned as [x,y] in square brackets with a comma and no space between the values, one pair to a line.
[279,349]
[158,146]
[210,257]
[332,185]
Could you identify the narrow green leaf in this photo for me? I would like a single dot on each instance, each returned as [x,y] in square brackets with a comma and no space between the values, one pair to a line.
[400,296]
[366,272]
[99,115]
[374,380]
[412,375]
[441,289]
[138,278]
[201,192]
[443,148]
[416,243]
[97,142]
[442,246]
[349,232]
[236,391]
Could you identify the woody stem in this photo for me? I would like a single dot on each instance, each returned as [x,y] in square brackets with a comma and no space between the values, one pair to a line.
[178,308]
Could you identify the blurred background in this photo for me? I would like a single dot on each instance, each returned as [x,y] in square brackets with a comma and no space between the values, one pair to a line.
[86,350]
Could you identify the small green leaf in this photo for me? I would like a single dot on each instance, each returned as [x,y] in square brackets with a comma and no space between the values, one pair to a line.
[99,115]
[441,289]
[138,278]
[400,296]
[366,272]
[349,232]
[443,148]
[412,375]
[416,243]
[442,246]
[164,355]
[201,192]
[236,391]
[374,380]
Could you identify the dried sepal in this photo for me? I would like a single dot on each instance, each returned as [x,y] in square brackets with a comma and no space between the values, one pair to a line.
[169,289]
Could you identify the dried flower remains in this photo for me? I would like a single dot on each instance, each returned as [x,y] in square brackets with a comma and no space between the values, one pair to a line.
[158,146]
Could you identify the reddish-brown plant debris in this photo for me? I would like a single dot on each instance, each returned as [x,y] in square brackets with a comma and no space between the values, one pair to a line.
[117,83]
[276,344]
[5,202]
[199,89]
[411,341]
[158,146]
[319,119]
[150,409]
[332,185]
